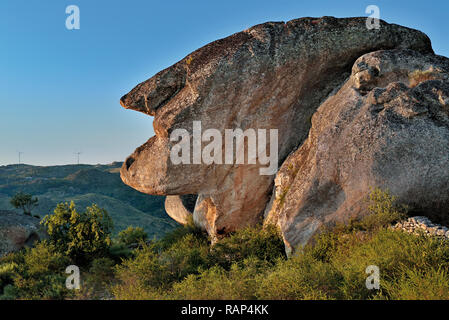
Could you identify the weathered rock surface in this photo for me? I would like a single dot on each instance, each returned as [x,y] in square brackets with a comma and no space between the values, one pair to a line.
[386,127]
[17,231]
[180,208]
[271,76]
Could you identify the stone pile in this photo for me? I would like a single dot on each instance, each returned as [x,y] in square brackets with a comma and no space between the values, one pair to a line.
[422,225]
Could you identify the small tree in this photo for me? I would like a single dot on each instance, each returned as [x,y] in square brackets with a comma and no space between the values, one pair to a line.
[25,202]
[81,235]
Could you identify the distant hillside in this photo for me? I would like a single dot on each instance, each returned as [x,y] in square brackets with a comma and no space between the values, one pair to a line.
[86,184]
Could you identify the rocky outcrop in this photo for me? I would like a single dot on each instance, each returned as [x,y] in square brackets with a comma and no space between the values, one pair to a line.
[271,76]
[386,127]
[17,231]
[180,208]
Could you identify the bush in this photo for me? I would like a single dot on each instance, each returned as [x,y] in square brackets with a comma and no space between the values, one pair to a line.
[102,270]
[97,280]
[406,263]
[334,266]
[82,236]
[132,235]
[9,293]
[178,234]
[249,264]
[138,277]
[7,271]
[302,277]
[24,201]
[40,274]
[155,267]
[382,210]
[263,243]
[185,258]
[119,251]
[413,284]
[239,282]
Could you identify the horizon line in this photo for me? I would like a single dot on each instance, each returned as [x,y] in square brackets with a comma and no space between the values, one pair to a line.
[60,165]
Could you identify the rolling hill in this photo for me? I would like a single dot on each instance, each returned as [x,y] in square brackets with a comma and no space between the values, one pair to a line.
[85,185]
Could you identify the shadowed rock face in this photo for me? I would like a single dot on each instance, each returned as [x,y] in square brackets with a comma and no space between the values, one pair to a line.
[271,76]
[18,231]
[387,127]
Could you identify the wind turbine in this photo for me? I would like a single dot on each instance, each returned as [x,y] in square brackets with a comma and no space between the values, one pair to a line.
[20,154]
[78,156]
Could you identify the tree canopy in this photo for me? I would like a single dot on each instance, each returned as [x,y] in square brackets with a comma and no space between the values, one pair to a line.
[24,201]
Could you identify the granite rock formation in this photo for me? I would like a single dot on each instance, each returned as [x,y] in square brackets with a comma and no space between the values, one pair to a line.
[271,76]
[386,127]
[180,208]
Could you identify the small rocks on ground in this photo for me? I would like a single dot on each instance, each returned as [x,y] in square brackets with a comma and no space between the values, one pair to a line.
[422,225]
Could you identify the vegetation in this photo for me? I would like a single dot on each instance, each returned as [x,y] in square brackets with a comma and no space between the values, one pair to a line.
[249,264]
[25,202]
[36,273]
[86,184]
[80,236]
[132,235]
[418,76]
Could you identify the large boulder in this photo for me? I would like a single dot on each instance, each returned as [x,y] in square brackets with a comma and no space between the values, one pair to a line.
[386,127]
[180,208]
[271,76]
[17,231]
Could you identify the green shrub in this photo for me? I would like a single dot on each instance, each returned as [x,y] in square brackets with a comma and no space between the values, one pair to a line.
[179,233]
[185,257]
[24,201]
[302,277]
[395,253]
[265,243]
[334,266]
[119,251]
[249,264]
[41,274]
[239,282]
[155,267]
[9,293]
[102,270]
[138,277]
[97,280]
[82,236]
[132,235]
[413,284]
[7,271]
[404,261]
[383,210]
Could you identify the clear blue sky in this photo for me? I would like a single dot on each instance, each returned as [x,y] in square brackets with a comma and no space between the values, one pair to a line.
[59,89]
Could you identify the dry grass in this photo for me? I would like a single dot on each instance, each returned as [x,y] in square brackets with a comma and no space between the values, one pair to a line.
[418,76]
